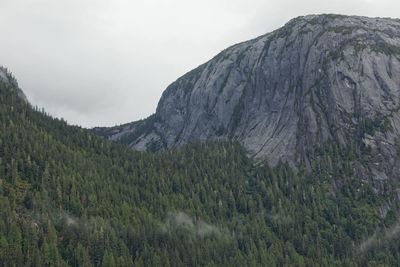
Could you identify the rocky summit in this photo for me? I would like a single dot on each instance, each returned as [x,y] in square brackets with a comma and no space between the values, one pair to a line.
[318,79]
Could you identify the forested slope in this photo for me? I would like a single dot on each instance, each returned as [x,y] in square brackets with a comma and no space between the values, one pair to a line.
[69,198]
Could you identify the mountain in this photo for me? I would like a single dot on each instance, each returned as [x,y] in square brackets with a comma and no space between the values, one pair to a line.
[319,78]
[71,198]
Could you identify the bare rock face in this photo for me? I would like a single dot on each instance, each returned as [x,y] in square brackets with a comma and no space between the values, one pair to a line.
[317,79]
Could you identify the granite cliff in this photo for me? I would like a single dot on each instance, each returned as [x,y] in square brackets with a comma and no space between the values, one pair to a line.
[318,79]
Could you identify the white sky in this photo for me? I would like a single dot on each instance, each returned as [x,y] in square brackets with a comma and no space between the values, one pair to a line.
[101,63]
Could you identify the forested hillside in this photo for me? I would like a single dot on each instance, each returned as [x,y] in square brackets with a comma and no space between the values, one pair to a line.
[69,198]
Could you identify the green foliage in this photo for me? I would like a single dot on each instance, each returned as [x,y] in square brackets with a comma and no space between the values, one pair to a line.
[386,49]
[342,29]
[69,198]
[370,126]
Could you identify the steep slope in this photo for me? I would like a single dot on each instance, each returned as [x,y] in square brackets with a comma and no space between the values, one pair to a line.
[318,78]
[70,198]
[8,81]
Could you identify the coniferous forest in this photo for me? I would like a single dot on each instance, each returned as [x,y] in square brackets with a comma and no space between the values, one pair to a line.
[70,198]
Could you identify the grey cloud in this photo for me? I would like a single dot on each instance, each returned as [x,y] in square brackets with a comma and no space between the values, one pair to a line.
[98,62]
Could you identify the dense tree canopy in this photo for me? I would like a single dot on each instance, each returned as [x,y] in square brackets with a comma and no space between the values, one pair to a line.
[69,198]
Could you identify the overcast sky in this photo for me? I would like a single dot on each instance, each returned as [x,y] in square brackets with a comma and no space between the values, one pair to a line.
[101,63]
